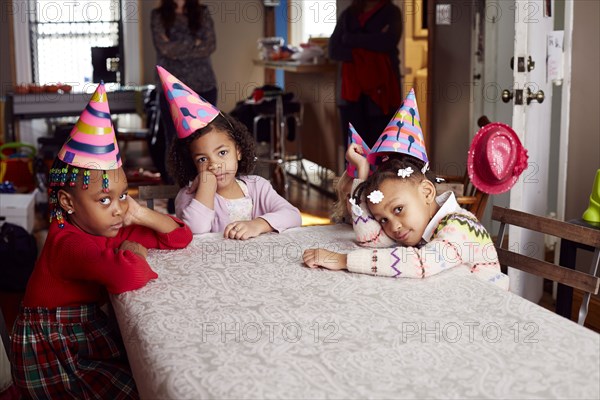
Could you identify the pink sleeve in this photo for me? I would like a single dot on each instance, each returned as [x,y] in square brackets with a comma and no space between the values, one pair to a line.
[195,214]
[277,211]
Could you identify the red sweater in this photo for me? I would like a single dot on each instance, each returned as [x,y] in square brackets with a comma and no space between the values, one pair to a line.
[77,268]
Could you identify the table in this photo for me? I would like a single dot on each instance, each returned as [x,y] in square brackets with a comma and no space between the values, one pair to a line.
[232,319]
[46,105]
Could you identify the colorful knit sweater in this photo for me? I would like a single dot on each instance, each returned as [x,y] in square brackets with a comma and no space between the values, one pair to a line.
[369,233]
[453,238]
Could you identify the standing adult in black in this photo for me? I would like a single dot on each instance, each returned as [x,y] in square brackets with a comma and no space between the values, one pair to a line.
[184,37]
[365,40]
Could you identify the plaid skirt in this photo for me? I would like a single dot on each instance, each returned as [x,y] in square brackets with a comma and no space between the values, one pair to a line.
[69,352]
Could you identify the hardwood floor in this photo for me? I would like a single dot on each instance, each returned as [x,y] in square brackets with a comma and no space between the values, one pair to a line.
[310,200]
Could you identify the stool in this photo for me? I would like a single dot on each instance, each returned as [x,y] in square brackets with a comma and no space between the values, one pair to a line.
[278,129]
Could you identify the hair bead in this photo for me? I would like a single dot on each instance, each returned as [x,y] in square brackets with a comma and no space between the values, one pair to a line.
[63,176]
[104,182]
[86,179]
[74,172]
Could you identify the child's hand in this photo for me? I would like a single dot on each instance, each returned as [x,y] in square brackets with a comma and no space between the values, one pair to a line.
[133,216]
[355,156]
[134,247]
[205,180]
[242,230]
[315,258]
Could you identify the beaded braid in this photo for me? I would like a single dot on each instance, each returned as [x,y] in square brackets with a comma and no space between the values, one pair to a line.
[59,177]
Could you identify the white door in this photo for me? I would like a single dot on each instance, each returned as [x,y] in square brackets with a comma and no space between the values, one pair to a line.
[531,103]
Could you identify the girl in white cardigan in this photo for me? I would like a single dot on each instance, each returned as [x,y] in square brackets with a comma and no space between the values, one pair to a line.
[431,234]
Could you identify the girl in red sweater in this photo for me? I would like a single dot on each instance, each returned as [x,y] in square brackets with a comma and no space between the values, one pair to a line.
[63,345]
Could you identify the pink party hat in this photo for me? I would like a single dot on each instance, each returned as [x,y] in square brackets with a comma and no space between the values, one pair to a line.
[354,137]
[403,134]
[189,111]
[92,143]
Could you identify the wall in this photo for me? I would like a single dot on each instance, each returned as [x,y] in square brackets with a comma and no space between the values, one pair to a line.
[238,25]
[449,97]
[584,130]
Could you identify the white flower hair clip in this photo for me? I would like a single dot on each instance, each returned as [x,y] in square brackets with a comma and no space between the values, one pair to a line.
[375,197]
[405,172]
[425,168]
[356,210]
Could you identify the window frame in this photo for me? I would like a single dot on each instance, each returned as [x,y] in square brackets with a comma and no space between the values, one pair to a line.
[129,39]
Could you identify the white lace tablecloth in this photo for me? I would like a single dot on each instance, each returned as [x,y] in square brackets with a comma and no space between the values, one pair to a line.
[229,319]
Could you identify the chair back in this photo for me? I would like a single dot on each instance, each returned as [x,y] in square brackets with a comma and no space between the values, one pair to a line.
[587,282]
[151,192]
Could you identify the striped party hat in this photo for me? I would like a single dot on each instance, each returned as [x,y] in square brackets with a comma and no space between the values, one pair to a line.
[403,134]
[189,111]
[92,143]
[354,137]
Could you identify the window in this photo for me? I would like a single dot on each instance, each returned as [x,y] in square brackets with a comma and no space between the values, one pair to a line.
[311,18]
[62,34]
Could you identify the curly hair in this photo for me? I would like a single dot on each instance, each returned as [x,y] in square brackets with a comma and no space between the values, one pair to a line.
[339,211]
[182,166]
[389,170]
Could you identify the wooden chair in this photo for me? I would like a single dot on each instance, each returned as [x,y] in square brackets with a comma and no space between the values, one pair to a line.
[151,192]
[471,199]
[587,282]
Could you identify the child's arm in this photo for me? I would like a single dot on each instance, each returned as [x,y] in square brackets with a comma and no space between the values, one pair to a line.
[119,270]
[367,230]
[152,229]
[195,214]
[315,258]
[459,241]
[243,230]
[138,215]
[279,213]
[356,157]
[204,188]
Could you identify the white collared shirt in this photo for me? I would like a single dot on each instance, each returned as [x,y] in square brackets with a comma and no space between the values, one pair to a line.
[448,205]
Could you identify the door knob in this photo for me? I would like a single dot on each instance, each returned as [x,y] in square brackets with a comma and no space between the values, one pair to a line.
[539,96]
[507,95]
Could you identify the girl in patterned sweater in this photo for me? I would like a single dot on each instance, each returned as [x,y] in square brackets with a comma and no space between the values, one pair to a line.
[63,345]
[432,234]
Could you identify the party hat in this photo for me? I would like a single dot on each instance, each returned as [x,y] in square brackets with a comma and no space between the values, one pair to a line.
[403,134]
[592,213]
[92,143]
[354,137]
[189,111]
